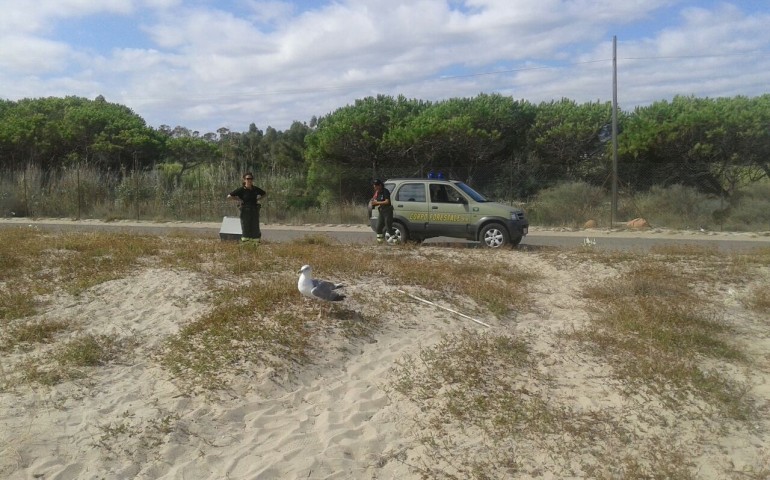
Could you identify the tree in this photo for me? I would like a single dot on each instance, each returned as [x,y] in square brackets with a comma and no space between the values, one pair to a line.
[251,145]
[189,152]
[702,143]
[465,137]
[346,147]
[566,142]
[51,131]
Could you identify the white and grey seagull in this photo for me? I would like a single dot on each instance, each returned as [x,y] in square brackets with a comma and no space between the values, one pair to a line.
[318,289]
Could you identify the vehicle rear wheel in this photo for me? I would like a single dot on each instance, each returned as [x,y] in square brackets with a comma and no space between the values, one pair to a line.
[400,235]
[494,235]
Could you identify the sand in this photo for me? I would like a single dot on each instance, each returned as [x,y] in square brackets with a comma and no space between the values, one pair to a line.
[335,418]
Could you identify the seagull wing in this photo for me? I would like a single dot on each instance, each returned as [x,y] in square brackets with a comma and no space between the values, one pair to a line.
[329,285]
[326,291]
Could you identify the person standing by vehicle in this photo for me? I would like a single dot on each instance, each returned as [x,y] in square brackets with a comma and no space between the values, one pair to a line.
[249,194]
[381,200]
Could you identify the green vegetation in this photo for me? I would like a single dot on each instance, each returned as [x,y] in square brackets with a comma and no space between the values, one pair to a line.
[686,163]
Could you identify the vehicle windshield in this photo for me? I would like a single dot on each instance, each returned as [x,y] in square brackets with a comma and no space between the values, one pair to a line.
[471,192]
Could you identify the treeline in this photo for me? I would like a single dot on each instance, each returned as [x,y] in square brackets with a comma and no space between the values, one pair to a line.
[504,145]
[511,149]
[53,133]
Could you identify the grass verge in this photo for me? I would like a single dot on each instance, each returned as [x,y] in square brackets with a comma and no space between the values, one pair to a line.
[658,332]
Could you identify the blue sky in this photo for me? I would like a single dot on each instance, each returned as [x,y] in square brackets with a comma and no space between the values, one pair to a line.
[206,64]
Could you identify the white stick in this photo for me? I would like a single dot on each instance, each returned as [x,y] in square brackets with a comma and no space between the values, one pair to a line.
[445,308]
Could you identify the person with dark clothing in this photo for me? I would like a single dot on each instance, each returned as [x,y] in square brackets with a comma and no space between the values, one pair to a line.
[381,200]
[249,195]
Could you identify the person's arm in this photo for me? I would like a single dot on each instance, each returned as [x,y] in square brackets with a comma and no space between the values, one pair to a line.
[234,196]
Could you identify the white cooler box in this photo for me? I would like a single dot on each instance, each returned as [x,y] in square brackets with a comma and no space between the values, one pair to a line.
[230,229]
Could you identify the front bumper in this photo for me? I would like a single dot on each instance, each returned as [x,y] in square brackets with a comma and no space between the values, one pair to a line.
[517,228]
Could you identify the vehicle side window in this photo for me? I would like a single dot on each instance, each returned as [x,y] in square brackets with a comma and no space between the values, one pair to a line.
[411,192]
[455,196]
[440,193]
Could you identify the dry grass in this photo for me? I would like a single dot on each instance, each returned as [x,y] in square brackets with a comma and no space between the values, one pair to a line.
[255,319]
[654,327]
[658,326]
[759,299]
[68,360]
[666,341]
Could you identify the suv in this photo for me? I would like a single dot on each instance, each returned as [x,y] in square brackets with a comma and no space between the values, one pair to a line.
[425,208]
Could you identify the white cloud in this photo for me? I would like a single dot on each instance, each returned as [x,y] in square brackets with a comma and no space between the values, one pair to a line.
[162,4]
[40,15]
[25,54]
[270,64]
[269,12]
[723,30]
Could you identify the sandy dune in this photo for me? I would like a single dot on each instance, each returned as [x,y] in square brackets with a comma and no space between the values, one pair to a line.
[335,418]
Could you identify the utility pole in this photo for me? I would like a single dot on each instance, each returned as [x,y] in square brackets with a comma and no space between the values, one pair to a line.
[614,207]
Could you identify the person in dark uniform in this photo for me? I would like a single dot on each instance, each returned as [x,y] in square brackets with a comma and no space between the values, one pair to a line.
[381,200]
[248,194]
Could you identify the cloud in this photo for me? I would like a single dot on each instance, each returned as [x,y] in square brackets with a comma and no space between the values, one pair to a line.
[29,55]
[724,30]
[208,64]
[269,12]
[42,14]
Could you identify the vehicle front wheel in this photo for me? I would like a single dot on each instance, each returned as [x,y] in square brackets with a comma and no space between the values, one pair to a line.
[400,235]
[494,235]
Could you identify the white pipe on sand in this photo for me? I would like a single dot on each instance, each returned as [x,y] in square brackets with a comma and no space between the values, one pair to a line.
[445,308]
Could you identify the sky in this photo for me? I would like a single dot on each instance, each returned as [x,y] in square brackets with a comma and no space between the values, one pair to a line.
[211,64]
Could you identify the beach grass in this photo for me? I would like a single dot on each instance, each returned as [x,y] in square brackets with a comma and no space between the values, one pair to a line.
[656,326]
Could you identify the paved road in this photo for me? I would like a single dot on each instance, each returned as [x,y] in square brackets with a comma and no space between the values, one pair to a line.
[361,234]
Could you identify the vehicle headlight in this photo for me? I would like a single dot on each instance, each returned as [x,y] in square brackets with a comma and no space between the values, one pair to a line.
[516,216]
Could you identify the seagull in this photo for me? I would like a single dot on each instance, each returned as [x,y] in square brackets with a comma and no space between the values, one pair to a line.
[317,289]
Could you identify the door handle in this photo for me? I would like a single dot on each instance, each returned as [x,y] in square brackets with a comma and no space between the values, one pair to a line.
[434,207]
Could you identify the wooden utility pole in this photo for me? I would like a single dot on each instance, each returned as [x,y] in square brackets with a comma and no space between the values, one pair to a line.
[614,207]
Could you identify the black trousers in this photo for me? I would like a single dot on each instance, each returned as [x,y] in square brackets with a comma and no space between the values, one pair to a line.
[385,221]
[250,222]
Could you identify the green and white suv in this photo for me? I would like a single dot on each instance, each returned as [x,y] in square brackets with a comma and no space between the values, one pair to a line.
[426,208]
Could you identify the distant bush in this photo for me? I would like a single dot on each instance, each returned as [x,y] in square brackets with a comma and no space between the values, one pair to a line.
[677,207]
[750,211]
[11,203]
[569,205]
[170,193]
